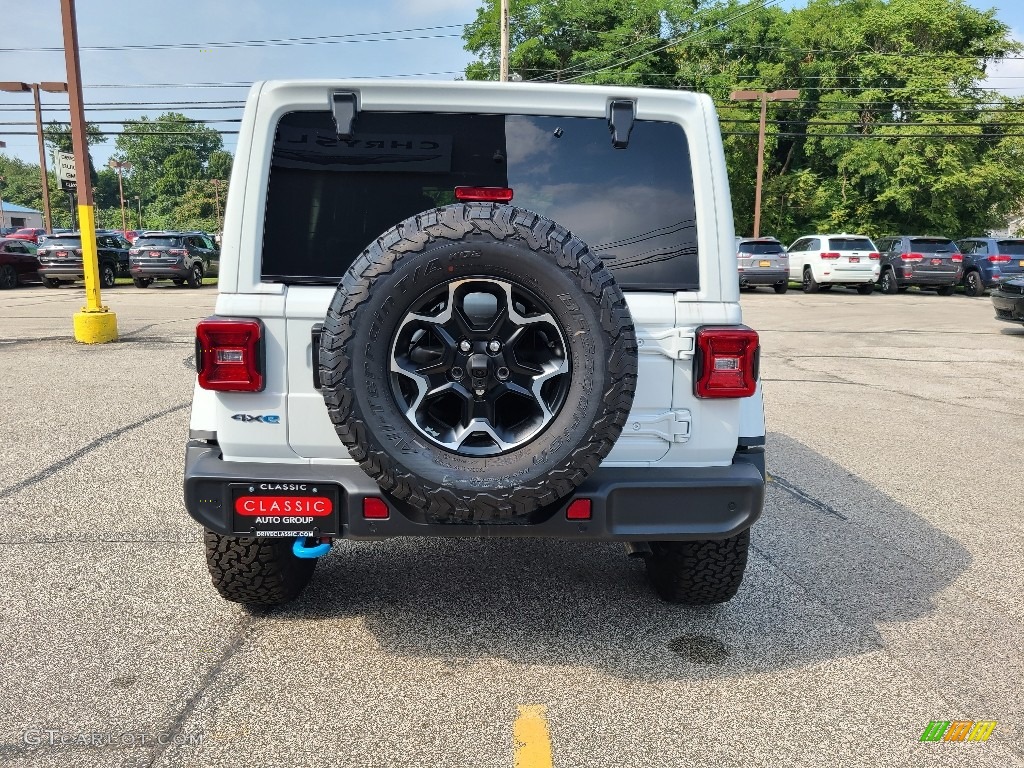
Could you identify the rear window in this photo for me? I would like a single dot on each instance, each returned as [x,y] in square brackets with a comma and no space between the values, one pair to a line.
[64,242]
[932,245]
[850,244]
[1011,247]
[157,242]
[761,249]
[328,199]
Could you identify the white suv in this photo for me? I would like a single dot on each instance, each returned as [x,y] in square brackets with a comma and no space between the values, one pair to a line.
[476,309]
[821,261]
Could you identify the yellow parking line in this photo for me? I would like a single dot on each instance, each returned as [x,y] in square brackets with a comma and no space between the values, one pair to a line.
[533,744]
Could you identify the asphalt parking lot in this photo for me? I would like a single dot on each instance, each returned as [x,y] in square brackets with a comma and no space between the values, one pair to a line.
[884,591]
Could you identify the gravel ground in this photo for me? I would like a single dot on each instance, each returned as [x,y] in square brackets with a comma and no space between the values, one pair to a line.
[884,590]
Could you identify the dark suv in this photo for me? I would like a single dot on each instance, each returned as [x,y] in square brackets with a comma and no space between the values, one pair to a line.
[927,262]
[988,260]
[60,258]
[184,257]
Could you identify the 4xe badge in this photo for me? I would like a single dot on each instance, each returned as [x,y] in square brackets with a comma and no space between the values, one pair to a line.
[269,418]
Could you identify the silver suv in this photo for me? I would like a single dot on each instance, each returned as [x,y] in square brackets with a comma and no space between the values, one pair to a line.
[476,309]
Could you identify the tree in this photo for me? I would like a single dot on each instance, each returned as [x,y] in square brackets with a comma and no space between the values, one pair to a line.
[561,40]
[58,136]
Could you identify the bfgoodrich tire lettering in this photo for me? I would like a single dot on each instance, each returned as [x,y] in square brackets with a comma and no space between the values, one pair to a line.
[489,242]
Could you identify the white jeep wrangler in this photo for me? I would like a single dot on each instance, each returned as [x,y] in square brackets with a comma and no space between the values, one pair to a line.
[476,309]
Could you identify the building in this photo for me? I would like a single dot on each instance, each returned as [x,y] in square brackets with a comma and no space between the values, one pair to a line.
[18,216]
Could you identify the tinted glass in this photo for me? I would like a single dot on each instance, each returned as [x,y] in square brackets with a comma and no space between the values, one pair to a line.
[157,242]
[931,245]
[850,244]
[1011,247]
[761,249]
[328,199]
[64,242]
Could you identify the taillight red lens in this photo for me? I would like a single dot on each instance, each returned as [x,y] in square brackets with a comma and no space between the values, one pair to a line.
[726,362]
[912,256]
[956,257]
[483,194]
[229,354]
[830,255]
[375,509]
[1000,258]
[579,509]
[874,256]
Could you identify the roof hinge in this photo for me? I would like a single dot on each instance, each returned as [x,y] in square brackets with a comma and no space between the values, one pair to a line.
[621,115]
[344,108]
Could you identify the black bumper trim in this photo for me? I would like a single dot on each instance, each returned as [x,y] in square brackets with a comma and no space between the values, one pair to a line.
[628,503]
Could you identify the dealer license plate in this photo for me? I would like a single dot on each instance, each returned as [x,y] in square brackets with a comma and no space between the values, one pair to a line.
[1020,263]
[855,259]
[284,509]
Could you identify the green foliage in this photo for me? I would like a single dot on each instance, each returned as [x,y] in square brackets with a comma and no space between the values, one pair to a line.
[894,130]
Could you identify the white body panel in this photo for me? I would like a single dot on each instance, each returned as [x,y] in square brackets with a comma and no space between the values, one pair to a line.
[668,425]
[852,267]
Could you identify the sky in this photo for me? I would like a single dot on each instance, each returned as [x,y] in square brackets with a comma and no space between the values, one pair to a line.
[423,39]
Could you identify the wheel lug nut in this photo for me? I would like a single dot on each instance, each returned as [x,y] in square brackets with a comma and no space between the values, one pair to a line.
[502,373]
[465,346]
[457,373]
[494,346]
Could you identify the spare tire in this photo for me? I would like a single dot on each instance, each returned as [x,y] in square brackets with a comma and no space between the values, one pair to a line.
[478,362]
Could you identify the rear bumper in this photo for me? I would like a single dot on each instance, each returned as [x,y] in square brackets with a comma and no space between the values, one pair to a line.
[1008,308]
[851,276]
[764,277]
[164,270]
[925,278]
[62,271]
[628,503]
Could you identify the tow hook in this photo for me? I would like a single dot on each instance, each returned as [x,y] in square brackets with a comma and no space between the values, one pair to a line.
[303,548]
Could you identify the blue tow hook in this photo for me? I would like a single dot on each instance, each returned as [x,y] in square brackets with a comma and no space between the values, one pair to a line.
[300,548]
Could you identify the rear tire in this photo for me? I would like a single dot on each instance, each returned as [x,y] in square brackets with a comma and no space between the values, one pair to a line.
[866,290]
[108,275]
[257,572]
[946,290]
[142,282]
[195,277]
[781,287]
[810,284]
[8,277]
[51,282]
[888,282]
[973,284]
[698,572]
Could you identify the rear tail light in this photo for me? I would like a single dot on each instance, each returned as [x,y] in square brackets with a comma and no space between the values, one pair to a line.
[874,256]
[78,251]
[134,251]
[726,362]
[830,255]
[1000,258]
[375,509]
[912,257]
[483,194]
[229,355]
[579,509]
[956,257]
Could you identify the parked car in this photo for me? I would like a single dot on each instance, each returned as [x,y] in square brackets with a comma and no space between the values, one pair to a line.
[130,235]
[384,366]
[60,258]
[184,257]
[987,260]
[28,233]
[1008,300]
[927,262]
[762,261]
[821,261]
[18,263]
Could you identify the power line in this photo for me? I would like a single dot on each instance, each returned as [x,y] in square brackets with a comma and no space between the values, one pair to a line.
[947,136]
[354,37]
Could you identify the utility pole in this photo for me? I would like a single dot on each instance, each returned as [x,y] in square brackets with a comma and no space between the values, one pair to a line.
[504,41]
[49,87]
[95,323]
[216,194]
[3,216]
[764,97]
[121,165]
[138,202]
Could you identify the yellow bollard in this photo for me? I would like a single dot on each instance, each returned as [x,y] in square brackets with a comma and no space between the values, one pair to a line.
[95,324]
